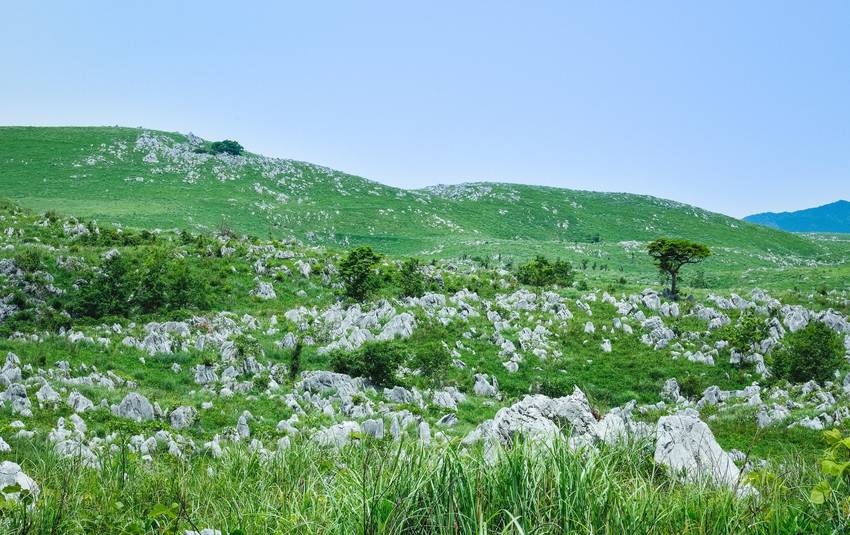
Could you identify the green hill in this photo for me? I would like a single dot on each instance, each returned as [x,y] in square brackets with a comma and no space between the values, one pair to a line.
[157,179]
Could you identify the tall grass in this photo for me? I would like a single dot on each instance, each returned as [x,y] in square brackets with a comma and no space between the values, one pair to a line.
[381,487]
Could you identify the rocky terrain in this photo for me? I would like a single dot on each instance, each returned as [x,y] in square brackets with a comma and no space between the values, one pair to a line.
[237,392]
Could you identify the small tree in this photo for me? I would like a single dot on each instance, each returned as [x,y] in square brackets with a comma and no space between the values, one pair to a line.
[228,146]
[411,280]
[671,255]
[542,272]
[376,361]
[295,360]
[358,273]
[812,353]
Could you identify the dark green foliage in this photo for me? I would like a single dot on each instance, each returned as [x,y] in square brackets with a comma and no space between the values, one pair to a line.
[542,272]
[149,283]
[751,329]
[357,271]
[295,360]
[691,386]
[376,361]
[411,280]
[433,360]
[227,146]
[812,353]
[29,260]
[670,255]
[247,346]
[556,386]
[108,291]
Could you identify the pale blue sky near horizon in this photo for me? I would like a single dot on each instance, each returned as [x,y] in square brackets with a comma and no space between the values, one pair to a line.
[736,107]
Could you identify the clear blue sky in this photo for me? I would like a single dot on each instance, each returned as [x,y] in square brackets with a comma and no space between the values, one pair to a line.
[737,107]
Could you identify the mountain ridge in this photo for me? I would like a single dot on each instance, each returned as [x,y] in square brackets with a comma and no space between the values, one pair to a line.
[831,217]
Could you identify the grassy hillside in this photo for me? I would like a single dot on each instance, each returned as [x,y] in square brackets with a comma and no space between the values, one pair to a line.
[156,179]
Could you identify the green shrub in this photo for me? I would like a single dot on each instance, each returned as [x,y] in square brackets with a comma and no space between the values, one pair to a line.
[542,272]
[812,353]
[411,280]
[691,386]
[295,360]
[750,330]
[227,146]
[376,361]
[358,274]
[29,260]
[433,360]
[107,292]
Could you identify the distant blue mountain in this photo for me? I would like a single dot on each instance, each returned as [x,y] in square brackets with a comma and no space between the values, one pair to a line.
[833,217]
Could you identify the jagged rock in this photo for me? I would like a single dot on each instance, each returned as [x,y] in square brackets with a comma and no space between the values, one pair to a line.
[242,424]
[373,428]
[686,445]
[79,403]
[205,375]
[11,475]
[486,387]
[324,382]
[400,394]
[264,291]
[537,417]
[337,435]
[46,395]
[448,398]
[424,433]
[182,417]
[449,420]
[134,407]
[670,391]
[16,394]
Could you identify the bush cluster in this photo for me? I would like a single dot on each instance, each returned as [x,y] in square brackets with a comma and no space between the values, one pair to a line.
[812,353]
[123,284]
[376,361]
[542,272]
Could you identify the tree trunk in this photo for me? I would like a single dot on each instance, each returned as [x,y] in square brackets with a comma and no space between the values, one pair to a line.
[673,290]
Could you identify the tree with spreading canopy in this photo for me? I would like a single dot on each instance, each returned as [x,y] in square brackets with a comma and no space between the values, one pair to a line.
[670,255]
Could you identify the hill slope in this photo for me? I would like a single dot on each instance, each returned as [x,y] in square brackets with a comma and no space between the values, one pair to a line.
[833,217]
[156,179]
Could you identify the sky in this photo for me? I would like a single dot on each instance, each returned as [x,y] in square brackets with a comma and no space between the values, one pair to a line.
[736,107]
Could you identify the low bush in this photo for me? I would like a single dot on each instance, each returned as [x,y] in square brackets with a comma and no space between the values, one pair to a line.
[542,272]
[810,354]
[376,361]
[433,360]
[411,280]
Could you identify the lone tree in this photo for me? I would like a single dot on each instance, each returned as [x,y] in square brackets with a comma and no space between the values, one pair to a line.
[671,255]
[358,273]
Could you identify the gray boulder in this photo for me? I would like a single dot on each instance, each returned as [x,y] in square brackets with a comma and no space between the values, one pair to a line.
[11,475]
[134,407]
[182,417]
[686,445]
